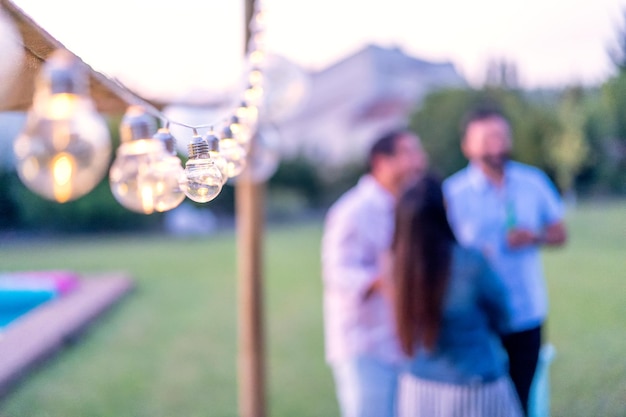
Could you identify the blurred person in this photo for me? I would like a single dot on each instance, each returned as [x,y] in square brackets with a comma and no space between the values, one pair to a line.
[361,345]
[449,309]
[508,210]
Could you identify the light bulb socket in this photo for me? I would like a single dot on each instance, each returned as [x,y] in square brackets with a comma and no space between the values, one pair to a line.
[212,141]
[169,141]
[227,132]
[197,148]
[137,124]
[63,74]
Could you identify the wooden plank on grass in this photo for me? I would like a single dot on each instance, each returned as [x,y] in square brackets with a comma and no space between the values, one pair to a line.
[43,331]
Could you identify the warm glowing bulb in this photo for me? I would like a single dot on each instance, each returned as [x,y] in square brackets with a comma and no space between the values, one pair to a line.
[256,57]
[240,131]
[253,95]
[133,178]
[248,116]
[62,168]
[145,175]
[168,193]
[63,151]
[255,77]
[233,152]
[62,106]
[259,40]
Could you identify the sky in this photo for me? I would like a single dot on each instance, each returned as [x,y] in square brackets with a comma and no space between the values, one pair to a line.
[175,47]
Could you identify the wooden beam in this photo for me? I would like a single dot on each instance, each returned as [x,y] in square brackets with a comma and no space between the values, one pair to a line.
[37,45]
[250,228]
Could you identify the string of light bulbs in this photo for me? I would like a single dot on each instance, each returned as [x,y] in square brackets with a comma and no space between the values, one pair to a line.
[64,149]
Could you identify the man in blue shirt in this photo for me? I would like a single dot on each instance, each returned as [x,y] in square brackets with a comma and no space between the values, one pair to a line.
[508,210]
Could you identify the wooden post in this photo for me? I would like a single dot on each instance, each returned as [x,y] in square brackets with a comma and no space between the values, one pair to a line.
[249,200]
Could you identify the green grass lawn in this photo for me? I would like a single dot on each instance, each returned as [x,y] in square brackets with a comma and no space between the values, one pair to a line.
[169,349]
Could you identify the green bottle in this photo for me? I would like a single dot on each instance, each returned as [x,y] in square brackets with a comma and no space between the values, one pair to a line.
[511,219]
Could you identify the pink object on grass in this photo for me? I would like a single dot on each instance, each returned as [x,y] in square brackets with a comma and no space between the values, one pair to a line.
[59,281]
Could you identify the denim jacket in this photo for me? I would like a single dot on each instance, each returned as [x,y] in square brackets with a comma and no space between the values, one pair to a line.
[475,310]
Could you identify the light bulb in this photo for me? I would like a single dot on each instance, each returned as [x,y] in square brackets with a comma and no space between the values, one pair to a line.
[164,135]
[265,156]
[214,152]
[253,95]
[202,181]
[240,131]
[248,116]
[144,176]
[63,151]
[233,152]
[258,21]
[169,195]
[259,40]
[255,77]
[256,57]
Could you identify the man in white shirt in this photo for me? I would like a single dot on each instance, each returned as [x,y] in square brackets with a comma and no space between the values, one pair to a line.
[361,343]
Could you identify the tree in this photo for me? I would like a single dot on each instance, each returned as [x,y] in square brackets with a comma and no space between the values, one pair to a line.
[567,149]
[438,123]
[614,101]
[617,52]
[502,73]
[614,143]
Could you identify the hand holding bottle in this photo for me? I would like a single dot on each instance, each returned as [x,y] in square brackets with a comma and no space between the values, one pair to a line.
[518,238]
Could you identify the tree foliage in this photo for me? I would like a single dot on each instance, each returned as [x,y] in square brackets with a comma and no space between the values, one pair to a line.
[438,123]
[567,149]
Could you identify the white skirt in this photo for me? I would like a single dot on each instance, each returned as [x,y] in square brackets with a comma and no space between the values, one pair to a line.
[424,398]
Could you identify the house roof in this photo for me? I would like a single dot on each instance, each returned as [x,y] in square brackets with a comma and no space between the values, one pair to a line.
[108,96]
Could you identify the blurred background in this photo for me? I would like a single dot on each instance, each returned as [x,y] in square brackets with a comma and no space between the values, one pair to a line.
[338,74]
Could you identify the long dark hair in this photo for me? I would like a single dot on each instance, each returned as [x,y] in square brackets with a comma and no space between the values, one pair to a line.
[422,248]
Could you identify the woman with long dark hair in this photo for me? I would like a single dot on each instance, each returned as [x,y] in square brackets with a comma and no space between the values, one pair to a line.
[449,306]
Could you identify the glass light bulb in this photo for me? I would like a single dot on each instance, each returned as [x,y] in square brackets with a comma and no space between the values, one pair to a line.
[202,181]
[254,95]
[240,131]
[63,151]
[255,77]
[221,164]
[145,174]
[265,157]
[259,40]
[169,194]
[135,181]
[249,115]
[257,57]
[234,154]
[213,144]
